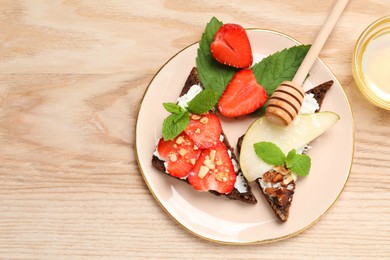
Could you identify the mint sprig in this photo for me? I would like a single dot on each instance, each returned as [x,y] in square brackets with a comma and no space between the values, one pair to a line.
[278,67]
[212,74]
[298,163]
[179,119]
[203,102]
[270,153]
[175,123]
[173,108]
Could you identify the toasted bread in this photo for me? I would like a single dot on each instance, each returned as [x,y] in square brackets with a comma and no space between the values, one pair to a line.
[243,191]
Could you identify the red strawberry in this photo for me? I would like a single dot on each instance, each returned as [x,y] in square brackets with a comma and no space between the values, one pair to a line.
[180,155]
[214,170]
[242,96]
[205,130]
[231,46]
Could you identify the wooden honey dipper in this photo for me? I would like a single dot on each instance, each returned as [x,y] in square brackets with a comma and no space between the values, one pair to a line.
[287,99]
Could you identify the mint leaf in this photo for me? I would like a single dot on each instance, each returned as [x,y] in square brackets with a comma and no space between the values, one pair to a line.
[212,74]
[278,67]
[270,153]
[173,108]
[300,164]
[290,157]
[203,102]
[174,124]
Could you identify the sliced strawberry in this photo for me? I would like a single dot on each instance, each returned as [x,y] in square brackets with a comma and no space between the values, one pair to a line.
[214,170]
[205,130]
[242,96]
[231,46]
[180,155]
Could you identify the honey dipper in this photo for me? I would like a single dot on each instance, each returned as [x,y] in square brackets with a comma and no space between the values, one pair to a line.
[287,99]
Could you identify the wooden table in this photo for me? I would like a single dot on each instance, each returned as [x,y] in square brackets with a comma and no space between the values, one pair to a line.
[72,75]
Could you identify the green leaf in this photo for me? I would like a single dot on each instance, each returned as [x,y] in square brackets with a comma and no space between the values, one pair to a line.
[173,108]
[269,153]
[300,164]
[290,157]
[203,102]
[278,67]
[212,74]
[174,124]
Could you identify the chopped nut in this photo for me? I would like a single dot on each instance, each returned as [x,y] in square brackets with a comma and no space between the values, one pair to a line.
[203,171]
[195,147]
[284,196]
[277,178]
[183,152]
[212,155]
[180,140]
[269,176]
[282,200]
[195,117]
[192,161]
[221,176]
[282,170]
[271,191]
[204,120]
[209,164]
[173,157]
[197,131]
[287,180]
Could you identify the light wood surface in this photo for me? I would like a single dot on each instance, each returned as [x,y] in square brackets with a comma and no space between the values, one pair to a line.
[72,75]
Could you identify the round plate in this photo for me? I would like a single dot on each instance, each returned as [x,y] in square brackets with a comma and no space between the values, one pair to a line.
[218,218]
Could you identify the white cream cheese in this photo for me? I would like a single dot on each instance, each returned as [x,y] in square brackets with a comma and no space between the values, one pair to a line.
[192,92]
[155,153]
[235,165]
[309,104]
[304,149]
[240,184]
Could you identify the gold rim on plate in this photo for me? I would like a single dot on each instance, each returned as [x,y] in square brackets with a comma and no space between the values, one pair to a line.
[258,241]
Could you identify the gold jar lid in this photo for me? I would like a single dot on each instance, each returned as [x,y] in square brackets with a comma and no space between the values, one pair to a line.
[371,62]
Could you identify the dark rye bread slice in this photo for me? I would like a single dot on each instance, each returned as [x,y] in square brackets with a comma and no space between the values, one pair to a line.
[280,198]
[247,197]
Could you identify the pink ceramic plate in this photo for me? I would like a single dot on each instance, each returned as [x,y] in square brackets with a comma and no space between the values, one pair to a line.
[217,218]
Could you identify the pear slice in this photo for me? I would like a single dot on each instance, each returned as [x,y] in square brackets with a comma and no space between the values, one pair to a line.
[300,132]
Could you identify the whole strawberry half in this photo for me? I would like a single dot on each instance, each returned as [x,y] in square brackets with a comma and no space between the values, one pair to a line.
[242,96]
[180,155]
[205,130]
[214,170]
[231,46]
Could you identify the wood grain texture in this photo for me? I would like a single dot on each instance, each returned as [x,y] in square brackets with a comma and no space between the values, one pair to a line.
[72,76]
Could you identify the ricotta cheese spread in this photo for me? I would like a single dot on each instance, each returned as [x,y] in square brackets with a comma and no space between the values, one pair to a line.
[192,92]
